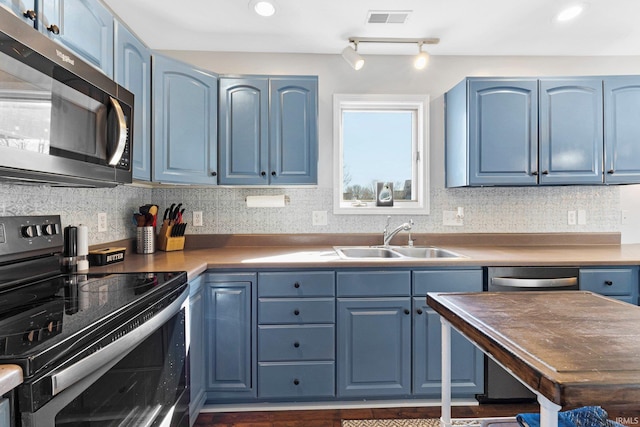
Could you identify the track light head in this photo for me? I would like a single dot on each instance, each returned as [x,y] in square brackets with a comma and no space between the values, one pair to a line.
[352,57]
[422,59]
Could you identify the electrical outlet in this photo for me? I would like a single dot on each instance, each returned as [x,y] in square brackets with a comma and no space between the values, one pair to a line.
[197,219]
[319,218]
[102,222]
[571,217]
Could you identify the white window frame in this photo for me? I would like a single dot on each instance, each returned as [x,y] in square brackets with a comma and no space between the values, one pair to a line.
[420,178]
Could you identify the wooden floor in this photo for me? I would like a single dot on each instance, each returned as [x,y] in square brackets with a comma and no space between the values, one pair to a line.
[628,415]
[332,418]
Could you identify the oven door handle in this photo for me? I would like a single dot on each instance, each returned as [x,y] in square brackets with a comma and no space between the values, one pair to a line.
[511,282]
[116,351]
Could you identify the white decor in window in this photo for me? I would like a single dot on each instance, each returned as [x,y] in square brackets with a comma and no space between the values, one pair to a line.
[381,143]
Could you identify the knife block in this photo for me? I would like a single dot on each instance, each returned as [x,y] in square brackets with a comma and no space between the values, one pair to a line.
[168,243]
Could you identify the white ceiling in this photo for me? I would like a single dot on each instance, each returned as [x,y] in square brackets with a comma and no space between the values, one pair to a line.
[465,27]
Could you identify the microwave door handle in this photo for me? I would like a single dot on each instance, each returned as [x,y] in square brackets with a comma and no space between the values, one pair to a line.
[511,282]
[122,133]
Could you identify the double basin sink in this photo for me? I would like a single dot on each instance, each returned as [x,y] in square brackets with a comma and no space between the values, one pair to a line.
[394,252]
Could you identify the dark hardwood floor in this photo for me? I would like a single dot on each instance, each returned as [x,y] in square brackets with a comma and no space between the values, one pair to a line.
[333,417]
[628,415]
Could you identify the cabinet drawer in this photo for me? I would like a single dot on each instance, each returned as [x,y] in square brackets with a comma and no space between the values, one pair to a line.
[608,281]
[296,379]
[373,283]
[447,281]
[296,284]
[296,310]
[295,343]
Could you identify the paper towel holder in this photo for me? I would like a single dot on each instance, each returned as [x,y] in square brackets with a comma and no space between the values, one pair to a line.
[287,200]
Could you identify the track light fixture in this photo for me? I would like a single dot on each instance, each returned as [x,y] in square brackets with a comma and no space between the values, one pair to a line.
[357,62]
[352,56]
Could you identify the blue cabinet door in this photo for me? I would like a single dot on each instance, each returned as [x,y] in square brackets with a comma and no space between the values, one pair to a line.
[244,131]
[467,362]
[373,347]
[293,130]
[622,129]
[132,64]
[24,9]
[184,123]
[85,27]
[503,132]
[196,346]
[571,131]
[230,335]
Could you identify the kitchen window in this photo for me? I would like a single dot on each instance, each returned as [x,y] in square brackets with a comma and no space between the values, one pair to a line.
[381,148]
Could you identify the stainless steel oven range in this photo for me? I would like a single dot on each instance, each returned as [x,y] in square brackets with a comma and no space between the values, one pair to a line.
[95,349]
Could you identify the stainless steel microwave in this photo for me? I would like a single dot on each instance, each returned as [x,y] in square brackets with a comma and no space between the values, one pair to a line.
[62,122]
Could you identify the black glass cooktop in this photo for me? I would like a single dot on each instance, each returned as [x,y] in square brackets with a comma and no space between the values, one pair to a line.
[57,317]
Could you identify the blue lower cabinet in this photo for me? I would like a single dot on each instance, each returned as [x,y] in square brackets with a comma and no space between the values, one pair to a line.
[296,379]
[230,336]
[373,347]
[296,335]
[620,283]
[467,362]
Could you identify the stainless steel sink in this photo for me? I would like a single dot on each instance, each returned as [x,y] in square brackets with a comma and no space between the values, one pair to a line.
[424,252]
[366,252]
[394,252]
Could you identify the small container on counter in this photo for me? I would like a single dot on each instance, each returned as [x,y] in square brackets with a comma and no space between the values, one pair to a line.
[145,240]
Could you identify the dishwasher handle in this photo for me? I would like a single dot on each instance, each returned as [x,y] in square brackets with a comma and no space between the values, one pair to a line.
[512,282]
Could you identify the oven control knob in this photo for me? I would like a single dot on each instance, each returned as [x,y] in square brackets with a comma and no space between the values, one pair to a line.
[30,231]
[32,335]
[49,229]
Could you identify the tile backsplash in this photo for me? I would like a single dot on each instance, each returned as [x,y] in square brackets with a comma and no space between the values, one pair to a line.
[486,210]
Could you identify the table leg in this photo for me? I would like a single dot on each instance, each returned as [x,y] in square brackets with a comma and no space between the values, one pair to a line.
[445,419]
[548,412]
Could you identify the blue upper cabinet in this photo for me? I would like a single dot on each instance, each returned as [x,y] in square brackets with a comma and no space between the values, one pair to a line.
[503,137]
[491,132]
[293,131]
[25,9]
[83,26]
[184,123]
[268,130]
[571,131]
[622,129]
[244,130]
[133,71]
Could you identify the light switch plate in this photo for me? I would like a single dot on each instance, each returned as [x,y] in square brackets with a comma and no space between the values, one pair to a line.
[452,218]
[102,222]
[197,219]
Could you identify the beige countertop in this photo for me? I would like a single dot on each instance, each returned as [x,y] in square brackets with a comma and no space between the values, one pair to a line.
[10,377]
[196,261]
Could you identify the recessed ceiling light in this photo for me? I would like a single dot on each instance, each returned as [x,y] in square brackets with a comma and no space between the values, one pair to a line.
[263,7]
[570,12]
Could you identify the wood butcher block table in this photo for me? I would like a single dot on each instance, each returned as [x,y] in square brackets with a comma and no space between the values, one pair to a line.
[571,348]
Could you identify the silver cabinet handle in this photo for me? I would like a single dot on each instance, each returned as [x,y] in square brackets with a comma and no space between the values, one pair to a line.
[122,133]
[510,282]
[116,351]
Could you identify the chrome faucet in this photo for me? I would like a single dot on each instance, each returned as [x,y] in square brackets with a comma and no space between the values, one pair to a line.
[388,235]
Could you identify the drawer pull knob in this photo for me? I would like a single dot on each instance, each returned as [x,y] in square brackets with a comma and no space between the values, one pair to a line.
[608,282]
[296,285]
[407,311]
[296,344]
[296,381]
[419,311]
[296,312]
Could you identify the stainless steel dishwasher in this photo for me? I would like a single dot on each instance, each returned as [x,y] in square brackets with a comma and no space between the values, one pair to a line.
[500,386]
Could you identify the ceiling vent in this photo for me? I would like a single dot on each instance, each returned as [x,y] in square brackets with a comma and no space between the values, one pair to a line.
[388,17]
